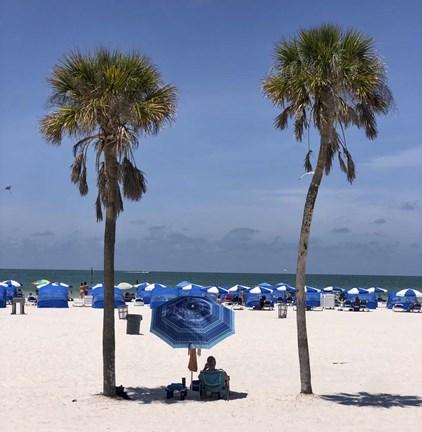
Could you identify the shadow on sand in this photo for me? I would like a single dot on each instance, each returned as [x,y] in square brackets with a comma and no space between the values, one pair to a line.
[146,395]
[380,400]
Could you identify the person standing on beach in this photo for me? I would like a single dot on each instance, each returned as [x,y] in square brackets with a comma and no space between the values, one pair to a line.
[81,291]
[85,289]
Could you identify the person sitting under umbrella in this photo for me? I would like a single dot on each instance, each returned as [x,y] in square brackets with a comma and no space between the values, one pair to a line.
[210,366]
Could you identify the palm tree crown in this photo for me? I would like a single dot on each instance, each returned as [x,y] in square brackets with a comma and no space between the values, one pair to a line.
[329,78]
[107,99]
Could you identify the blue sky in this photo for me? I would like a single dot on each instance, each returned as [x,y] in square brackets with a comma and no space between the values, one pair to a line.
[223,184]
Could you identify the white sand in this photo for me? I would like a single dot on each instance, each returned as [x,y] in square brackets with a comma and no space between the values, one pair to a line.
[368,363]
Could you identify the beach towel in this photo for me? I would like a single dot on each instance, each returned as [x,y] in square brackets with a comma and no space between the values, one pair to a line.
[193,362]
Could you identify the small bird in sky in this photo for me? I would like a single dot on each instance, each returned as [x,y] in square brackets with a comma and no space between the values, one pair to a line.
[304,174]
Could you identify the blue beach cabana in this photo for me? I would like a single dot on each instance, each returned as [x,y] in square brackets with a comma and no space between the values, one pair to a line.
[254,295]
[11,291]
[364,295]
[407,298]
[145,291]
[162,295]
[3,301]
[312,297]
[98,298]
[52,296]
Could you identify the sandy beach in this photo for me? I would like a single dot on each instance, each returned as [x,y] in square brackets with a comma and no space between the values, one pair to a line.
[365,366]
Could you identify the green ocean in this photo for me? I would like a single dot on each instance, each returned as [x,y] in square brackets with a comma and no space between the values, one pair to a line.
[75,277]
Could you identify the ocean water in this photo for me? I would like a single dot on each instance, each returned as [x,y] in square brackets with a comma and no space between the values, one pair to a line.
[76,277]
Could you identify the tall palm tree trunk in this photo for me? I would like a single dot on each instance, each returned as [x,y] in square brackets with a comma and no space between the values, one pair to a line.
[302,336]
[109,343]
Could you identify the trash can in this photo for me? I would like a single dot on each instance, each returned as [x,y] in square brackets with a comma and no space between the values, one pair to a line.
[122,312]
[282,310]
[133,323]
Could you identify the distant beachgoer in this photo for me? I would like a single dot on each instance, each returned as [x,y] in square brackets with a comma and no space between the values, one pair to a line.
[85,288]
[81,290]
[262,302]
[357,301]
[243,295]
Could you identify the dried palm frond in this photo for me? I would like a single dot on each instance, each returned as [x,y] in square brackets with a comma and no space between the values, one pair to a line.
[307,163]
[133,179]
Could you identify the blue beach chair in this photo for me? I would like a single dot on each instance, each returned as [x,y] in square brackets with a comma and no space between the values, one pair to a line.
[213,382]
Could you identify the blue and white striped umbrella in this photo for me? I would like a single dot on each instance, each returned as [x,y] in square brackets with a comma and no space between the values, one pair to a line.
[357,291]
[12,283]
[260,290]
[285,288]
[214,289]
[409,292]
[62,284]
[191,286]
[192,322]
[377,290]
[310,289]
[332,288]
[239,288]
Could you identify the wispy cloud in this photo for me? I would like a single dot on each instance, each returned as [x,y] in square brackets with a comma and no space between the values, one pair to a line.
[137,222]
[410,157]
[379,221]
[342,230]
[411,206]
[43,234]
[241,234]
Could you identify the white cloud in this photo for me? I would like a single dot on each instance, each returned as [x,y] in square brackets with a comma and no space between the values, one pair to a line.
[410,157]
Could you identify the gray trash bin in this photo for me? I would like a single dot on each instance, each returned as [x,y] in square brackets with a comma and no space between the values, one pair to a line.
[282,310]
[133,323]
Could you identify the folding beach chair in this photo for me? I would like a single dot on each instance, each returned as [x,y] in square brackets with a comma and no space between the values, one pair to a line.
[139,301]
[213,382]
[31,301]
[416,307]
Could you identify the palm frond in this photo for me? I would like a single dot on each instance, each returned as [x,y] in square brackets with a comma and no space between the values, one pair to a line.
[341,162]
[307,162]
[98,208]
[133,179]
[351,169]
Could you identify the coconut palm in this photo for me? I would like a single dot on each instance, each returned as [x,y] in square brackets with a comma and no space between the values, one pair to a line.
[326,79]
[106,101]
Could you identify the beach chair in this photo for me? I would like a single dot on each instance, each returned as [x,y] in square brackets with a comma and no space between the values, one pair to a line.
[268,305]
[88,301]
[416,307]
[213,382]
[348,305]
[139,301]
[399,307]
[31,301]
[363,306]
[78,303]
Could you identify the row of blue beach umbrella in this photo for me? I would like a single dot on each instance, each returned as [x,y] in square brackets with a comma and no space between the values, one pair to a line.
[156,294]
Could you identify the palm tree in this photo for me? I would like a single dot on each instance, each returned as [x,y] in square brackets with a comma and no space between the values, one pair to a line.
[327,79]
[106,100]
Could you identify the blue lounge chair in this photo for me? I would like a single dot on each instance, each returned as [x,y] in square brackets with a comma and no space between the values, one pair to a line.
[213,382]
